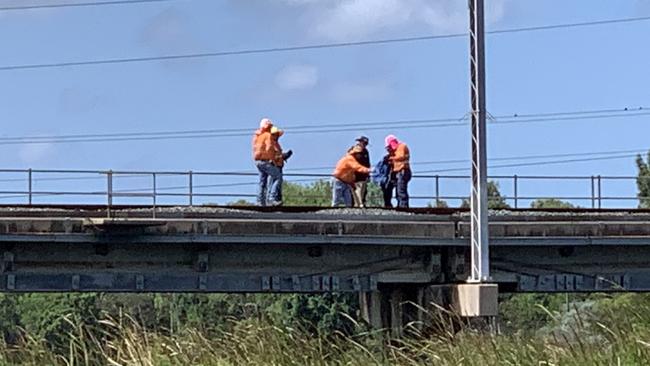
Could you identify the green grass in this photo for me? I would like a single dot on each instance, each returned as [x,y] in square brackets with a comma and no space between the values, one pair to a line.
[617,332]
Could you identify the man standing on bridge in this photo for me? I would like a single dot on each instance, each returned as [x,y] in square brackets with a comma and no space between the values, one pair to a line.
[361,155]
[279,159]
[399,160]
[264,154]
[344,178]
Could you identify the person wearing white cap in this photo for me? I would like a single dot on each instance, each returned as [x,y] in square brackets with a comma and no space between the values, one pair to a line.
[264,154]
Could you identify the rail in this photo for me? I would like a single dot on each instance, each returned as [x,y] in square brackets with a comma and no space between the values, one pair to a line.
[109,187]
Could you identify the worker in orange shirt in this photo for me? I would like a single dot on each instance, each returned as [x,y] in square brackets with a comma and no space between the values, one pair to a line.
[264,154]
[344,178]
[279,159]
[399,160]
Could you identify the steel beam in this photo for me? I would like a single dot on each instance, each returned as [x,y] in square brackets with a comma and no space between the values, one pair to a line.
[480,256]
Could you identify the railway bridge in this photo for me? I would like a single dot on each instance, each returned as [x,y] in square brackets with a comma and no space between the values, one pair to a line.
[389,257]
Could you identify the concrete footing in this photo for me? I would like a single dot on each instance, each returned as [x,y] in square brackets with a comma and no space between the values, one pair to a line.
[394,306]
[475,299]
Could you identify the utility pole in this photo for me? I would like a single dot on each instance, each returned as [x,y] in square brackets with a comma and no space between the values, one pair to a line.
[480,254]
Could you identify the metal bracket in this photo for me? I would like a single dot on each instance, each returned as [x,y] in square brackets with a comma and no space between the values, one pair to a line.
[335,283]
[266,283]
[327,286]
[203,282]
[356,283]
[76,279]
[139,282]
[8,262]
[295,283]
[11,282]
[316,283]
[203,262]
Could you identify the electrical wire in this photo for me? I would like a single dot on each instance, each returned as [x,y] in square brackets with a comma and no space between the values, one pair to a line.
[85,4]
[507,158]
[320,129]
[312,46]
[317,177]
[539,163]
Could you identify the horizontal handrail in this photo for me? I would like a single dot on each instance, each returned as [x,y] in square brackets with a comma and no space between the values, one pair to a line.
[41,183]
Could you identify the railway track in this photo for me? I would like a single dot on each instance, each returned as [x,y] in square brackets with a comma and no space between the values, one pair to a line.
[92,210]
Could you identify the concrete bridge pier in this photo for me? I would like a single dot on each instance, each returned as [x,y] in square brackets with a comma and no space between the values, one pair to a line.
[397,306]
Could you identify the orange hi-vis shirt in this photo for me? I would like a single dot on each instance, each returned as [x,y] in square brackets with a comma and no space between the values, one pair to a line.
[400,158]
[278,159]
[347,167]
[263,146]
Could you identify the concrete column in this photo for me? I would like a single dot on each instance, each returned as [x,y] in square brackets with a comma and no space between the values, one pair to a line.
[371,309]
[393,306]
[396,301]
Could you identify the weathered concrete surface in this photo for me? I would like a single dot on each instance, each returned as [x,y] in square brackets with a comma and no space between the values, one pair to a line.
[217,249]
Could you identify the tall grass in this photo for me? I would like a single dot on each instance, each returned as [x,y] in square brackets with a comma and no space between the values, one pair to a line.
[618,335]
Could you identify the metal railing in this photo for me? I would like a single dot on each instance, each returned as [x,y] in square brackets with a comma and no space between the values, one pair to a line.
[35,186]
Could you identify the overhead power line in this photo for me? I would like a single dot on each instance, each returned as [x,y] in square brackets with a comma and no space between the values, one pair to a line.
[616,154]
[507,158]
[538,163]
[313,46]
[324,128]
[78,5]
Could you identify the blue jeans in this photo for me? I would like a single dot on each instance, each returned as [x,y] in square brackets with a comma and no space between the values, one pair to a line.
[270,181]
[403,178]
[341,194]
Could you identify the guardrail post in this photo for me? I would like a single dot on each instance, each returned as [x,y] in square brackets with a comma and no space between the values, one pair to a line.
[600,193]
[515,180]
[29,184]
[437,190]
[593,192]
[109,192]
[191,188]
[153,175]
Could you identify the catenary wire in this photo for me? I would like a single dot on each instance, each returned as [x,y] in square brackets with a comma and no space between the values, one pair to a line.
[384,125]
[321,176]
[538,163]
[313,46]
[442,121]
[77,5]
[507,158]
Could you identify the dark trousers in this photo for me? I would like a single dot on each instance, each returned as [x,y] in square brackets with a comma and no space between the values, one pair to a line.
[387,191]
[402,181]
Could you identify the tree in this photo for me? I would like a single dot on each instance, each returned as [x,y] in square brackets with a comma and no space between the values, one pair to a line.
[438,204]
[551,203]
[318,193]
[241,202]
[495,200]
[643,181]
[375,196]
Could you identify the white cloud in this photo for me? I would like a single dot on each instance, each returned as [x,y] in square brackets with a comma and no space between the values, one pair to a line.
[361,91]
[358,18]
[297,77]
[168,32]
[302,2]
[341,20]
[35,153]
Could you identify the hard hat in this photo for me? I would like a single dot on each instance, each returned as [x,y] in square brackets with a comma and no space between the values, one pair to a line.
[390,139]
[265,123]
[275,130]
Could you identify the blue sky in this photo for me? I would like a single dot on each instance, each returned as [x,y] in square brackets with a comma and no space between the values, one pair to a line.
[559,70]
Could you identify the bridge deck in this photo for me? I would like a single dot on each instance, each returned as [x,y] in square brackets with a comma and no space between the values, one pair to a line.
[224,249]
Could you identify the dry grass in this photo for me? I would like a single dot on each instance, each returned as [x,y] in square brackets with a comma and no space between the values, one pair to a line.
[625,340]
